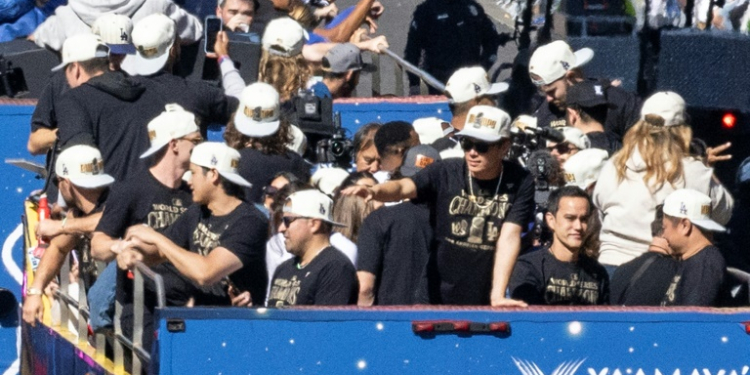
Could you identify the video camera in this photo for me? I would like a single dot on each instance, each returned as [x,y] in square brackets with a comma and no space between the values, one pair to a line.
[337,149]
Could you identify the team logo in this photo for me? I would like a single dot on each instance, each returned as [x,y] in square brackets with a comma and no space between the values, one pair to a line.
[123,35]
[322,209]
[257,113]
[65,170]
[177,202]
[565,65]
[473,10]
[598,90]
[478,120]
[705,209]
[531,368]
[477,89]
[214,160]
[683,209]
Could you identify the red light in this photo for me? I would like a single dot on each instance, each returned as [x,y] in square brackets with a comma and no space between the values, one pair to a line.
[747,328]
[729,120]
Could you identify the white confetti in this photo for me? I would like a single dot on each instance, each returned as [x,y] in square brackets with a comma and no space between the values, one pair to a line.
[575,328]
[631,350]
[291,341]
[379,326]
[361,364]
[724,339]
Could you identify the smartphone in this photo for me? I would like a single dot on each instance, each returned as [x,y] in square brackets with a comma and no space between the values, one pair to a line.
[212,27]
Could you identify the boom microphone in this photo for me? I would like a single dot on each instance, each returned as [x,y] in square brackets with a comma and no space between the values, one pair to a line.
[548,133]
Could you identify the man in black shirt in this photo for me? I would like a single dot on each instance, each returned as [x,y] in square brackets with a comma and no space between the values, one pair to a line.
[219,243]
[587,109]
[566,272]
[554,68]
[83,185]
[394,244]
[479,206]
[446,35]
[155,39]
[319,274]
[688,230]
[155,197]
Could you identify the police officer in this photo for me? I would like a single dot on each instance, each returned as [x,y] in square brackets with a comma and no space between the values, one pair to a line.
[452,34]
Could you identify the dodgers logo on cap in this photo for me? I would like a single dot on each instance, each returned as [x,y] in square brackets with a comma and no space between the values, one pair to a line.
[322,209]
[214,161]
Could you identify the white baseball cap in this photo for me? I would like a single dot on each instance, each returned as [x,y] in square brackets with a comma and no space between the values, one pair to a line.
[284,37]
[666,104]
[175,122]
[258,112]
[468,83]
[429,129]
[82,47]
[551,61]
[328,179]
[153,37]
[219,156]
[575,137]
[311,204]
[485,123]
[115,30]
[692,205]
[83,166]
[582,168]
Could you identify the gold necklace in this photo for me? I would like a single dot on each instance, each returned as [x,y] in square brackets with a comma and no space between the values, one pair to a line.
[479,201]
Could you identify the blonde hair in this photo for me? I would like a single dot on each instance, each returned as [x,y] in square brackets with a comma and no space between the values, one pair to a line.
[661,147]
[303,15]
[286,74]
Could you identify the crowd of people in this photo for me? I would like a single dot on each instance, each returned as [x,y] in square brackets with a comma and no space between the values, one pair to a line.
[615,205]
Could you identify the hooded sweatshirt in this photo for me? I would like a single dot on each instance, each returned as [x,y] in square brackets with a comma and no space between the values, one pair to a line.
[78,16]
[628,206]
[111,112]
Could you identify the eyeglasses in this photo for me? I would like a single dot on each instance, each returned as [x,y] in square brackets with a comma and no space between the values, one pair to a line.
[481,147]
[195,141]
[288,220]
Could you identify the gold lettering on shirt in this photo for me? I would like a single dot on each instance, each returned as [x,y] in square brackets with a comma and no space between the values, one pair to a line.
[559,291]
[163,215]
[670,296]
[204,239]
[285,291]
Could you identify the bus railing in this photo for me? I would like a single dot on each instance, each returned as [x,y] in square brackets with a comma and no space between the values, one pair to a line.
[67,304]
[401,65]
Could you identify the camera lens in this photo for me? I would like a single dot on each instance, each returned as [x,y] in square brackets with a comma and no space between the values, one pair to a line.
[337,149]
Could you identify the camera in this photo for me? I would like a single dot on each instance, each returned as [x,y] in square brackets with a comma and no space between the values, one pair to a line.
[12,81]
[337,149]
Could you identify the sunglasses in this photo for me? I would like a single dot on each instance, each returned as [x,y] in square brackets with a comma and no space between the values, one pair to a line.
[562,148]
[288,220]
[270,190]
[481,147]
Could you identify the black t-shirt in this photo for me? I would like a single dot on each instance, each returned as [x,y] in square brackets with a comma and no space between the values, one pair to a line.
[606,141]
[144,200]
[541,279]
[204,99]
[244,232]
[45,116]
[643,281]
[258,169]
[623,112]
[394,245]
[329,279]
[467,227]
[87,265]
[699,279]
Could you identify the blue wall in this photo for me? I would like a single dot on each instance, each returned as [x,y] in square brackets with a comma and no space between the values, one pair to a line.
[15,185]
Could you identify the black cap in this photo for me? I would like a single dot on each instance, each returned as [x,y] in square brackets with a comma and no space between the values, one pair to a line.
[586,94]
[417,158]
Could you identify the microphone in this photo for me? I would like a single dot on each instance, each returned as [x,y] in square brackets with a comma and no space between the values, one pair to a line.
[546,172]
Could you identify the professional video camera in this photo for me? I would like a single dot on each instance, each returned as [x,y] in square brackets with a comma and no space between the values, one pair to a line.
[12,81]
[337,149]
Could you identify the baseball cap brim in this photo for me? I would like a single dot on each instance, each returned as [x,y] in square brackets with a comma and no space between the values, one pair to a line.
[291,211]
[471,133]
[235,178]
[252,128]
[92,182]
[59,67]
[147,67]
[497,88]
[709,225]
[100,52]
[154,148]
[583,56]
[122,49]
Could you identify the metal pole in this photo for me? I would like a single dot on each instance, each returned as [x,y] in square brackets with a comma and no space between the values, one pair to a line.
[426,77]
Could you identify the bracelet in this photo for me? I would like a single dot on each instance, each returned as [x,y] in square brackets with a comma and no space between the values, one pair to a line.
[33,292]
[222,58]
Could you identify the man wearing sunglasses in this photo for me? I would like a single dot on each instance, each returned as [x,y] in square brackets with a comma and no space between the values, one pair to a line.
[319,274]
[155,197]
[574,141]
[554,68]
[480,204]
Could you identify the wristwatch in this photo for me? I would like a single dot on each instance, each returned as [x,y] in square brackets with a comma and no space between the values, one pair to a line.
[33,292]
